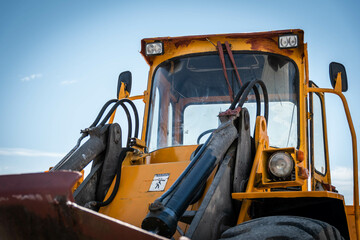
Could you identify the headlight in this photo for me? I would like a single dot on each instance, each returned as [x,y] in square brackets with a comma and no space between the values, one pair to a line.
[281,164]
[288,41]
[155,48]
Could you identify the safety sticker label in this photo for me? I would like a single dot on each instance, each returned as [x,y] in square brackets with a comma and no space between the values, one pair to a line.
[159,182]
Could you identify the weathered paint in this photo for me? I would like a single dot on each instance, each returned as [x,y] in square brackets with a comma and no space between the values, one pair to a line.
[40,206]
[261,42]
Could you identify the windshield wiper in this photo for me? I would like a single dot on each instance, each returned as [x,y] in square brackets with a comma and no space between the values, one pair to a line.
[222,60]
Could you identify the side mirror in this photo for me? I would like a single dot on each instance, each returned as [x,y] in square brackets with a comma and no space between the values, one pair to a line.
[124,77]
[334,69]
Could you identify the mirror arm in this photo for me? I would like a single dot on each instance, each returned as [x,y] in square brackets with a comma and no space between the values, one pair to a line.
[137,97]
[338,84]
[125,94]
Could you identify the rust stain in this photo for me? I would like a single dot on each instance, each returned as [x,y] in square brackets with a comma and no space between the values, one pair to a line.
[302,57]
[228,35]
[230,112]
[265,43]
[185,41]
[182,43]
[260,41]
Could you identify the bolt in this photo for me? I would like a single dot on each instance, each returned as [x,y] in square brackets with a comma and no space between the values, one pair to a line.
[156,206]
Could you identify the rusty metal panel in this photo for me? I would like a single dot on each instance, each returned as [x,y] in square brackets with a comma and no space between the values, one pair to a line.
[40,206]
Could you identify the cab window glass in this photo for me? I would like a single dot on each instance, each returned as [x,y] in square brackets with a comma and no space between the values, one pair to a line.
[189,92]
[155,119]
[318,136]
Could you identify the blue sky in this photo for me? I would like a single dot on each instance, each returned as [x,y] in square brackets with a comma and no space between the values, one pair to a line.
[60,60]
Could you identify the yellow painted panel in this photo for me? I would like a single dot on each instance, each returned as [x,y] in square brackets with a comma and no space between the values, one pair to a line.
[172,154]
[287,194]
[133,197]
[350,215]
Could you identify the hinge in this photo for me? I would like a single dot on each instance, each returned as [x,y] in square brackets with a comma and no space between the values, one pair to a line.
[309,115]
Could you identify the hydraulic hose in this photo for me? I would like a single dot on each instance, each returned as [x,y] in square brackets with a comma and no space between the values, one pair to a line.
[203,134]
[117,181]
[96,121]
[252,86]
[128,118]
[129,124]
[258,103]
[185,172]
[112,109]
[244,92]
[116,105]
[84,134]
[238,95]
[136,115]
[106,105]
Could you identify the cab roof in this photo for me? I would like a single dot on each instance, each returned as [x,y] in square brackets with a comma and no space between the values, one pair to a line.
[184,41]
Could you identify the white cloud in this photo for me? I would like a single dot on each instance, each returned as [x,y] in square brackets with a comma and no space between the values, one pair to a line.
[4,168]
[68,82]
[342,174]
[342,179]
[31,77]
[28,153]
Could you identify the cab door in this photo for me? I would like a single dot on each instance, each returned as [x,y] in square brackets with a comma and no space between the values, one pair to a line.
[318,144]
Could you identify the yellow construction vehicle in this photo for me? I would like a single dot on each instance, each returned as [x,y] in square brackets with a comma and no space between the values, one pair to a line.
[233,146]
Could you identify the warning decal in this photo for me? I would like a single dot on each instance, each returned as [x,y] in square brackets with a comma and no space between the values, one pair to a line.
[159,182]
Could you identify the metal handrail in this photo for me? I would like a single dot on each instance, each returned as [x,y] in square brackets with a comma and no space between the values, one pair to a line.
[337,91]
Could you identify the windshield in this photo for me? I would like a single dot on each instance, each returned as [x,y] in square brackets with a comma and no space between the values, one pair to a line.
[189,92]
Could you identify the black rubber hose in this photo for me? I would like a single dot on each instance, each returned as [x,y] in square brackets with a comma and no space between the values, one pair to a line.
[121,102]
[244,92]
[118,177]
[136,116]
[117,104]
[112,110]
[99,116]
[244,96]
[266,100]
[238,95]
[129,124]
[106,105]
[203,134]
[84,134]
[258,103]
[97,119]
[265,94]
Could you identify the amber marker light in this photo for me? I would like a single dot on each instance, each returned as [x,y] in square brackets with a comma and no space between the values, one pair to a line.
[303,173]
[300,156]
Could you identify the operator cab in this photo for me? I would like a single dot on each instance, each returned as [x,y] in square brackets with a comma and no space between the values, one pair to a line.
[188,92]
